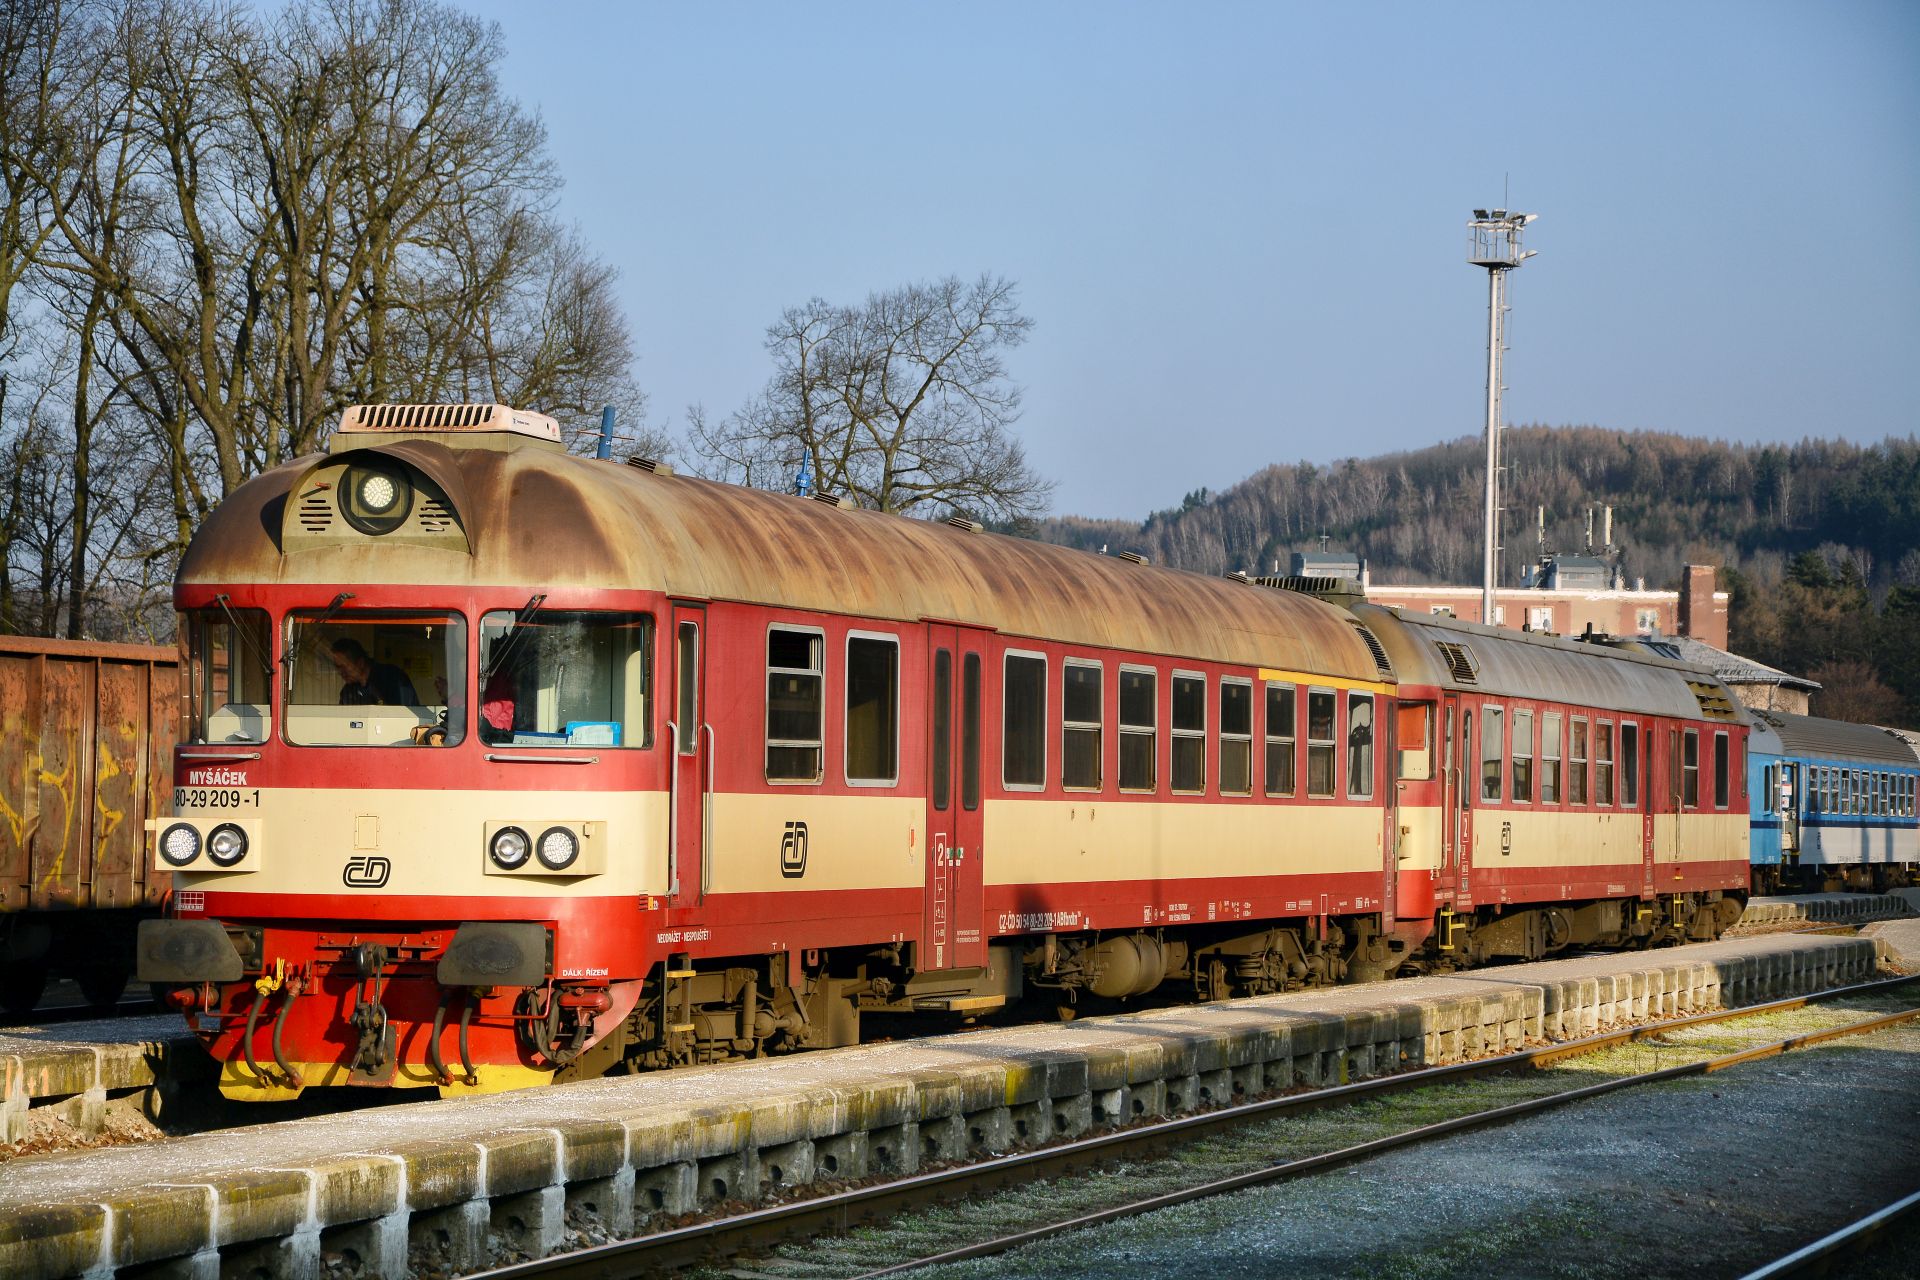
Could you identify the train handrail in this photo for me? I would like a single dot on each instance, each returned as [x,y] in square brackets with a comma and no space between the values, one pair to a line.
[216,755]
[673,810]
[706,810]
[501,758]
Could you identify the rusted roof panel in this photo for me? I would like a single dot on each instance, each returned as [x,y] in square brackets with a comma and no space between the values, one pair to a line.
[542,518]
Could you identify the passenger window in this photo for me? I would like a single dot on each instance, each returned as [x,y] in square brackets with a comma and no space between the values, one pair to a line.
[1690,769]
[873,709]
[1321,743]
[1139,724]
[1720,773]
[1577,760]
[1523,756]
[1023,726]
[1281,765]
[1236,737]
[1189,734]
[1359,744]
[1550,758]
[796,704]
[1492,752]
[1080,755]
[1603,763]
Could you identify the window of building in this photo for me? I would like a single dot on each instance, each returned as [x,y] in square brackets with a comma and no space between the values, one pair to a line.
[1139,729]
[1080,754]
[1499,615]
[1630,765]
[796,706]
[1646,621]
[1550,758]
[1603,763]
[1522,756]
[1359,744]
[1690,769]
[1540,617]
[1321,743]
[1577,760]
[1721,776]
[1189,734]
[1023,724]
[1236,737]
[1281,727]
[873,709]
[1442,611]
[1492,752]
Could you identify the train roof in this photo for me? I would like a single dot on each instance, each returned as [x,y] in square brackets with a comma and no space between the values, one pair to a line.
[1471,658]
[1839,739]
[534,516]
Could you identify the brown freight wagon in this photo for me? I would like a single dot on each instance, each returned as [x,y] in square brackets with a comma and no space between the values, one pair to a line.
[86,745]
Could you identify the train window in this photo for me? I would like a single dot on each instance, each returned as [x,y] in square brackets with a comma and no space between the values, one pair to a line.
[1690,769]
[1523,756]
[1282,767]
[1550,758]
[1603,763]
[375,677]
[226,675]
[1023,725]
[1189,734]
[1081,721]
[942,719]
[1236,737]
[1321,744]
[686,705]
[796,703]
[1493,723]
[1413,739]
[1465,788]
[1359,744]
[566,678]
[1139,723]
[873,710]
[970,732]
[1577,760]
[1721,780]
[1630,765]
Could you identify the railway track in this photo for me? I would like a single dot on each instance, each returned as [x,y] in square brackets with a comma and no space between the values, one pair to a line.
[1819,1257]
[760,1231]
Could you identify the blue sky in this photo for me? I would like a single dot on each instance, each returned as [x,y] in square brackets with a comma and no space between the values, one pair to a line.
[1240,228]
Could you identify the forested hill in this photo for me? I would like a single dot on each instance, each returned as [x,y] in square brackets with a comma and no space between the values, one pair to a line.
[1821,539]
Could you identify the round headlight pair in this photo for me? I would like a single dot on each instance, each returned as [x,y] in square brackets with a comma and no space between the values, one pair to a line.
[557,848]
[180,844]
[375,500]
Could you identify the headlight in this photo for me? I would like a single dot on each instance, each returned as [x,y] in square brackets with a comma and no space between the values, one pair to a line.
[559,848]
[179,844]
[375,500]
[510,848]
[226,845]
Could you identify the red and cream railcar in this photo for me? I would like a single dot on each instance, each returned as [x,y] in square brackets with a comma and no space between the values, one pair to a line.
[1560,791]
[500,765]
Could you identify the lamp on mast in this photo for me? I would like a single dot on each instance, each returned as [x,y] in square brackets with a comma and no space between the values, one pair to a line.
[1495,245]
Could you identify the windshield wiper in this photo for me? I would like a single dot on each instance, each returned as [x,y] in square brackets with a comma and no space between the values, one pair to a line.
[308,641]
[253,645]
[510,637]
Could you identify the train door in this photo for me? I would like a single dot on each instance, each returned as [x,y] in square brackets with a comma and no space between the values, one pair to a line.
[1787,804]
[1449,796]
[692,764]
[1465,779]
[953,927]
[1636,781]
[1674,797]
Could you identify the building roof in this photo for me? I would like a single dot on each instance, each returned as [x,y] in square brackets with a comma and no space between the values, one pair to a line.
[1733,668]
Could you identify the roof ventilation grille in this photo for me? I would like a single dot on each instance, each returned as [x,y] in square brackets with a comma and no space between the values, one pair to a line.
[651,465]
[830,499]
[1131,557]
[1380,660]
[1460,662]
[1238,575]
[1340,591]
[971,526]
[1713,700]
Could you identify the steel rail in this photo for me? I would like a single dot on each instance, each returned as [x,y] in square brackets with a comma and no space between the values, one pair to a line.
[1811,1259]
[839,1212]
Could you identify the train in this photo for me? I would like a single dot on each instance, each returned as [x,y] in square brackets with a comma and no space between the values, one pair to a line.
[501,766]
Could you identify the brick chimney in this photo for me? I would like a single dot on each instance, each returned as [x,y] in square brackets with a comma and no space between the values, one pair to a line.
[1703,613]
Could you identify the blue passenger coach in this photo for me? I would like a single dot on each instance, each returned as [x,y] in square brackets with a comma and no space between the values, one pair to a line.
[1834,805]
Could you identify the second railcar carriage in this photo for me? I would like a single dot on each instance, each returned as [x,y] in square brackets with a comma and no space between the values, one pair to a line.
[1835,805]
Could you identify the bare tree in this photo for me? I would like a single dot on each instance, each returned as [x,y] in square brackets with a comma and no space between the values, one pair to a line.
[903,403]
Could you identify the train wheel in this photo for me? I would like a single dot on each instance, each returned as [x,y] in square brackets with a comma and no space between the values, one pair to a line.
[103,983]
[22,983]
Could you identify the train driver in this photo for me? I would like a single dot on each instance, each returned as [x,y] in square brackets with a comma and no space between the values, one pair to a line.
[364,682]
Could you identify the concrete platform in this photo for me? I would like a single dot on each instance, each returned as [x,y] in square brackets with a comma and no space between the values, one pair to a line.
[453,1185]
[1828,908]
[1901,940]
[79,1067]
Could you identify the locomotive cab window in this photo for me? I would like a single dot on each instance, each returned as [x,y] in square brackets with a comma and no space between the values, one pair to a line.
[1236,737]
[1081,721]
[375,677]
[1023,727]
[1189,734]
[1281,730]
[796,703]
[1359,744]
[1321,742]
[873,710]
[226,675]
[568,677]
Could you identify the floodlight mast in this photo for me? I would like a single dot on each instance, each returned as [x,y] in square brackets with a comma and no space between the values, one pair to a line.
[1495,245]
